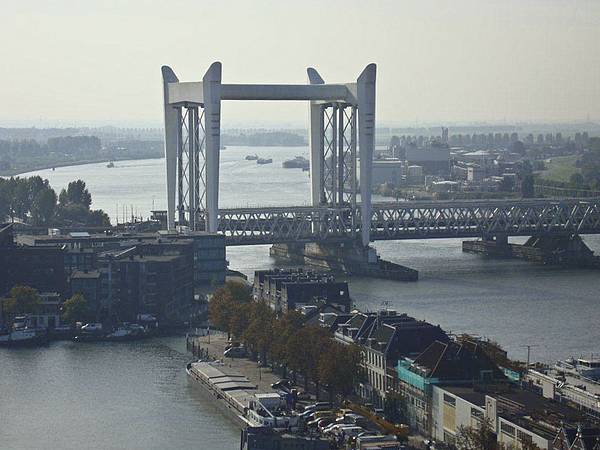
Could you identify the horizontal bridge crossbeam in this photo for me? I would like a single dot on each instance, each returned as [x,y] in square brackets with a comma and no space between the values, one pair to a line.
[193,92]
[412,220]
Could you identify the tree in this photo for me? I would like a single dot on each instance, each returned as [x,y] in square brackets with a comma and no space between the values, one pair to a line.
[304,350]
[507,184]
[259,333]
[481,437]
[4,199]
[527,180]
[528,186]
[43,207]
[286,326]
[240,292]
[339,368]
[239,319]
[98,218]
[225,309]
[76,309]
[220,309]
[576,179]
[78,194]
[22,300]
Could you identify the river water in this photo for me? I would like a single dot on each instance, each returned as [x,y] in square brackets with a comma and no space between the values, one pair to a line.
[71,396]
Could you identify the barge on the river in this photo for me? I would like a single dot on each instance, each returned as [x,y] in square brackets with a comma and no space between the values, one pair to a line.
[231,389]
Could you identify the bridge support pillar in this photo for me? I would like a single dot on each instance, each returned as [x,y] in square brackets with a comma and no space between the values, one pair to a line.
[555,250]
[349,258]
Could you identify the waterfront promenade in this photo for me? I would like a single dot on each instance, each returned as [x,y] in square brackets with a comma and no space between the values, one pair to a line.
[262,377]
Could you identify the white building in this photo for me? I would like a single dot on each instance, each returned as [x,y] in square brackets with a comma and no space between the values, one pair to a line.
[516,416]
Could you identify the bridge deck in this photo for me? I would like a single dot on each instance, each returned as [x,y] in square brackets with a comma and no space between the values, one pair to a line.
[412,220]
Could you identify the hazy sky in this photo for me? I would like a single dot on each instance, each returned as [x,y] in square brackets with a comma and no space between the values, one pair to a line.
[74,61]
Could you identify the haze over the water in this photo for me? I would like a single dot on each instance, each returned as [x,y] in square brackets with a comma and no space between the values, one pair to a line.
[69,62]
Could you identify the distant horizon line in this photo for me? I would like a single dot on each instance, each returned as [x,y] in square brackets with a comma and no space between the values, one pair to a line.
[282,125]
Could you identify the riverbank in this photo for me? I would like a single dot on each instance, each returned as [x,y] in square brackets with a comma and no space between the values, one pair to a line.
[34,168]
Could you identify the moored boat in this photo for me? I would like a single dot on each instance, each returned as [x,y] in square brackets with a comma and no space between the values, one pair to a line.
[251,157]
[264,160]
[583,367]
[22,334]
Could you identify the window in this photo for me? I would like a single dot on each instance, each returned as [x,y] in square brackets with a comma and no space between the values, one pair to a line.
[524,437]
[507,429]
[449,400]
[476,414]
[449,438]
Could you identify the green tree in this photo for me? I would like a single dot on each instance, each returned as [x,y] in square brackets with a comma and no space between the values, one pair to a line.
[339,368]
[527,180]
[259,333]
[98,218]
[576,179]
[239,319]
[20,201]
[4,199]
[286,326]
[78,194]
[76,309]
[240,292]
[304,350]
[481,437]
[220,309]
[43,207]
[225,310]
[22,300]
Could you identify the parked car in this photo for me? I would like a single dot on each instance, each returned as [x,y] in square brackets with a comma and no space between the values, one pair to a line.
[92,327]
[283,383]
[317,418]
[235,352]
[319,406]
[232,344]
[314,409]
[324,423]
[349,418]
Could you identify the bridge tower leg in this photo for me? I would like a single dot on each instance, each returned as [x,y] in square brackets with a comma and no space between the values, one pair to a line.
[212,124]
[315,142]
[171,130]
[366,135]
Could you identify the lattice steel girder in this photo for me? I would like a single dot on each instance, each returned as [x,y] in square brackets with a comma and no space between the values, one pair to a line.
[338,160]
[191,166]
[412,220]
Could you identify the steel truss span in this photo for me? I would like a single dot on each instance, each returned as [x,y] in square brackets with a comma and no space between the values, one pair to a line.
[412,220]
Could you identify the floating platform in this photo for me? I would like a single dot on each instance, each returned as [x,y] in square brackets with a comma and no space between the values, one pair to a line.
[347,258]
[564,251]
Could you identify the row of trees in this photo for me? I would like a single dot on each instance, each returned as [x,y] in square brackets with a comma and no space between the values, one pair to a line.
[32,200]
[26,300]
[285,341]
[64,144]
